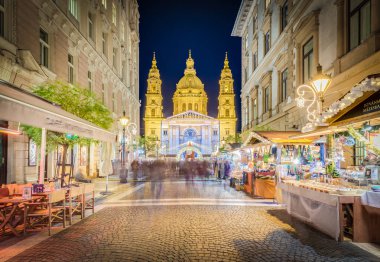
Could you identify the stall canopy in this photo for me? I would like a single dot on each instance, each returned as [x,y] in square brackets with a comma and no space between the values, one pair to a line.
[276,137]
[21,106]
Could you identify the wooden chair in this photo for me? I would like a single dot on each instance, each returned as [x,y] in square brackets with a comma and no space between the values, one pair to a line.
[88,198]
[42,214]
[75,202]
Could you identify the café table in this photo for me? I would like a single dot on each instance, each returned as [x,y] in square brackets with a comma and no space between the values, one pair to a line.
[11,207]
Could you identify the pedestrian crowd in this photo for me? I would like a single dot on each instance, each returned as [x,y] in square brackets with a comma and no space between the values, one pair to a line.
[172,169]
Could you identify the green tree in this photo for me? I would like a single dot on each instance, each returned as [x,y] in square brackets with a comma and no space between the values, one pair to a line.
[149,144]
[77,101]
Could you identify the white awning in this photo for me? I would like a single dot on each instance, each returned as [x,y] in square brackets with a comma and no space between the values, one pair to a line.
[20,106]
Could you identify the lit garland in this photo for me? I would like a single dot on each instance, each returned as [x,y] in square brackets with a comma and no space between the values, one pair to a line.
[369,84]
[311,114]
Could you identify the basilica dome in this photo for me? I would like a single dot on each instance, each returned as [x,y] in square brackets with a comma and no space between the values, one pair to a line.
[190,93]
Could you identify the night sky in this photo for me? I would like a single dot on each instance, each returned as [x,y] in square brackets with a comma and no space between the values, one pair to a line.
[171,28]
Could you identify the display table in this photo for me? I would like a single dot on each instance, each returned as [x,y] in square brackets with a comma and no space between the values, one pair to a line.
[264,188]
[316,208]
[328,212]
[371,199]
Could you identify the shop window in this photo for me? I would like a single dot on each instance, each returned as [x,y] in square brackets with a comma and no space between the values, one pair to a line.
[284,15]
[307,58]
[70,60]
[2,18]
[266,99]
[73,8]
[267,42]
[284,85]
[91,33]
[89,80]
[359,21]
[359,153]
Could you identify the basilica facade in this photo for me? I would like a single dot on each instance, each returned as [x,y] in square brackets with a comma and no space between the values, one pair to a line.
[189,132]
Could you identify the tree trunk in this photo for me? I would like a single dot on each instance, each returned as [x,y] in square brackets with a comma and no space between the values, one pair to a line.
[64,154]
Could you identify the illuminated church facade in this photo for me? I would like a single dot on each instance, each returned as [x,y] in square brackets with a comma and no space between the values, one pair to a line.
[189,132]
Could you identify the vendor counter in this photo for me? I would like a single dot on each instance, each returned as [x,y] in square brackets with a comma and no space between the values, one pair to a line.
[264,188]
[331,213]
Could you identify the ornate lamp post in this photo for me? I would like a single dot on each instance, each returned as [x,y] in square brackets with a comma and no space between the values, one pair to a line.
[124,122]
[318,86]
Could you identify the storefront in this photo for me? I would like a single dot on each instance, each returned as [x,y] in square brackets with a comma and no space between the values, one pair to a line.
[21,161]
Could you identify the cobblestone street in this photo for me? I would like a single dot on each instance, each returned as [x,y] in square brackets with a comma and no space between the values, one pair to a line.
[216,231]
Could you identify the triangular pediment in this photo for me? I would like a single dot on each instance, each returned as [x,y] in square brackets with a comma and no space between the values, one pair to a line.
[191,115]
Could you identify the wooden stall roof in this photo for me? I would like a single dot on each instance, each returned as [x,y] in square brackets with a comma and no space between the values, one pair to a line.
[279,137]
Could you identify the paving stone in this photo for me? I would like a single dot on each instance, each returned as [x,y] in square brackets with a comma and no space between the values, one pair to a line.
[191,233]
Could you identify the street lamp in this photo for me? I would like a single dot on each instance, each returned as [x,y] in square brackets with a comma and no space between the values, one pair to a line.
[320,83]
[124,122]
[318,86]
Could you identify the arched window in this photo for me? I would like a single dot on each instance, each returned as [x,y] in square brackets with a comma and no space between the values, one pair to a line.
[183,107]
[152,112]
[190,106]
[196,107]
[227,112]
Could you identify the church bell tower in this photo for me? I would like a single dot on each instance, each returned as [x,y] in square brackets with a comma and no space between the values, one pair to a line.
[153,108]
[226,99]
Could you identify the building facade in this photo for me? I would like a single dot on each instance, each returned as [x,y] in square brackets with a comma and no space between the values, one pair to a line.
[283,42]
[92,43]
[190,131]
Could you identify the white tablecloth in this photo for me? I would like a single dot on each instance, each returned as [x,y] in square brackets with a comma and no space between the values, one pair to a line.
[317,208]
[371,199]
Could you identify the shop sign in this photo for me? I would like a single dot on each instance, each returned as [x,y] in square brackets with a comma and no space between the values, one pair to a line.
[370,105]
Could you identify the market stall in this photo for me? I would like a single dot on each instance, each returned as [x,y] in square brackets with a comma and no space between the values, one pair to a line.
[340,195]
[270,150]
